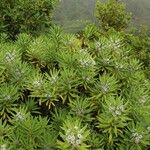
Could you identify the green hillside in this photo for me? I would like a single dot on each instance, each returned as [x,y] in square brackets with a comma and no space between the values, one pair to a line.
[72,15]
[69,13]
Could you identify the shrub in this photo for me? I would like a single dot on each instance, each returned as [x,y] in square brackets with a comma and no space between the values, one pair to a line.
[56,94]
[30,16]
[112,14]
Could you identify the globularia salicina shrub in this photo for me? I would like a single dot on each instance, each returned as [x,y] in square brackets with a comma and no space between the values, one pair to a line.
[62,92]
[55,94]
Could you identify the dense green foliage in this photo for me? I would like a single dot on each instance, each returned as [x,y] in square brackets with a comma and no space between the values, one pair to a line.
[100,89]
[113,14]
[17,16]
[61,91]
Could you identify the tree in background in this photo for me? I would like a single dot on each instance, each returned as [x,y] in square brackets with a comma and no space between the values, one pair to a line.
[112,14]
[31,16]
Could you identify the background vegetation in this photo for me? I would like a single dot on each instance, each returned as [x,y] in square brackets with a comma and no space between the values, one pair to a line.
[30,16]
[69,13]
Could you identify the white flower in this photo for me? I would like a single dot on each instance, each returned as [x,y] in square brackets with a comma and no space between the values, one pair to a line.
[134,134]
[117,113]
[8,97]
[48,96]
[71,139]
[87,62]
[3,147]
[79,136]
[68,138]
[37,83]
[119,66]
[53,79]
[10,57]
[20,116]
[136,137]
[148,128]
[98,45]
[121,108]
[74,136]
[78,142]
[106,60]
[114,43]
[83,51]
[105,88]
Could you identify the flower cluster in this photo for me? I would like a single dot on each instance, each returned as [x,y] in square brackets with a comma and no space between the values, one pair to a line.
[37,83]
[98,45]
[20,116]
[105,88]
[8,97]
[115,43]
[74,137]
[83,51]
[3,147]
[106,61]
[87,62]
[116,110]
[10,57]
[118,66]
[136,137]
[148,128]
[53,79]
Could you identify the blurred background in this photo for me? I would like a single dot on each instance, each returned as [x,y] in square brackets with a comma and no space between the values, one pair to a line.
[73,15]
